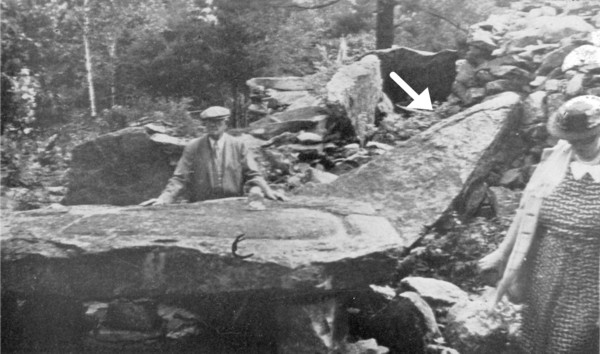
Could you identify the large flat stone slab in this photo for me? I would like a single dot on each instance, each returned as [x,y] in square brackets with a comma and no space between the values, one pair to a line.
[415,184]
[95,252]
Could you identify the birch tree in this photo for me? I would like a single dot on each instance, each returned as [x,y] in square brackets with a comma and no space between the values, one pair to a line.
[88,58]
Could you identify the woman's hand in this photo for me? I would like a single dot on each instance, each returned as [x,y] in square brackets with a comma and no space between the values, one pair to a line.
[490,262]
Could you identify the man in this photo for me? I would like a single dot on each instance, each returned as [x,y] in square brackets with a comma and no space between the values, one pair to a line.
[214,166]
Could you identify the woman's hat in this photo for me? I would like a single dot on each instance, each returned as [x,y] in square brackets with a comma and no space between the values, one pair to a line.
[577,119]
[215,112]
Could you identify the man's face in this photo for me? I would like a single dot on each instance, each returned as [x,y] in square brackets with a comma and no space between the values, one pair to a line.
[215,127]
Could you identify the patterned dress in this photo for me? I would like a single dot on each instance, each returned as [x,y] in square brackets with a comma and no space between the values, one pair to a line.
[561,313]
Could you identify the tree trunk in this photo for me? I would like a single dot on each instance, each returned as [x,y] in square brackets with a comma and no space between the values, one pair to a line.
[112,54]
[384,31]
[88,58]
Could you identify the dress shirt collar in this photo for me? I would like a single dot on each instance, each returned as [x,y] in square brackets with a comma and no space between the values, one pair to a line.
[579,169]
[217,143]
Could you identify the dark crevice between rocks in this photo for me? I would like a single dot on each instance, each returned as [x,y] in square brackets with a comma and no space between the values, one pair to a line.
[237,322]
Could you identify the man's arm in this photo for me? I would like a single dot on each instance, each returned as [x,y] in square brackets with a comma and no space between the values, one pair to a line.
[253,176]
[180,179]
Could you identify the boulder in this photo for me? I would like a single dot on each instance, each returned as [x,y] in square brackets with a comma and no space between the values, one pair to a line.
[120,168]
[553,85]
[287,83]
[416,183]
[298,257]
[420,70]
[435,291]
[354,92]
[575,84]
[314,119]
[534,108]
[482,38]
[497,86]
[552,29]
[554,59]
[581,56]
[106,252]
[513,178]
[474,95]
[287,98]
[511,72]
[433,331]
[465,73]
[318,176]
[542,11]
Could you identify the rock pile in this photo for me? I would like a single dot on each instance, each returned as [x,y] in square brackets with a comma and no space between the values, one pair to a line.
[546,53]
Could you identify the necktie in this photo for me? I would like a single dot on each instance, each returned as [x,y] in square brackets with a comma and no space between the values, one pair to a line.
[217,160]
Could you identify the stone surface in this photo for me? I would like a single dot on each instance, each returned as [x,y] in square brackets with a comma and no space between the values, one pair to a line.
[420,70]
[288,83]
[105,252]
[305,329]
[553,85]
[435,291]
[575,84]
[513,178]
[581,56]
[483,39]
[552,29]
[354,92]
[312,119]
[554,59]
[459,152]
[287,98]
[465,73]
[534,108]
[510,72]
[433,331]
[497,86]
[474,95]
[473,328]
[318,176]
[506,202]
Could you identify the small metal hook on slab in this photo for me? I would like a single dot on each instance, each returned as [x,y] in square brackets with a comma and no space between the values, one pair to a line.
[234,247]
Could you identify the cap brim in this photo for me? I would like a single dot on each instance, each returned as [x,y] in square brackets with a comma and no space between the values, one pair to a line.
[215,118]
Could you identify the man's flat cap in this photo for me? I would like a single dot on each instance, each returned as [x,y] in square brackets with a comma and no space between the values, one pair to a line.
[215,112]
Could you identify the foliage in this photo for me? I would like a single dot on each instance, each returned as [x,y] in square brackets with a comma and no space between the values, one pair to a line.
[452,254]
[437,25]
[352,20]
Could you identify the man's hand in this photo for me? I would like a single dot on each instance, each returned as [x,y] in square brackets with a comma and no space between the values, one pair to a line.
[275,195]
[153,201]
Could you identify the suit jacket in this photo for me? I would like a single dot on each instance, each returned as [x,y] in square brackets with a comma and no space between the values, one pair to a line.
[196,176]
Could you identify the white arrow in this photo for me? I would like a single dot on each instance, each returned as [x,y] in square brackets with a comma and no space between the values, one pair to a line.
[422,101]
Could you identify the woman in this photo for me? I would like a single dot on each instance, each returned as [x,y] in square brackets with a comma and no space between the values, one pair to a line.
[550,257]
